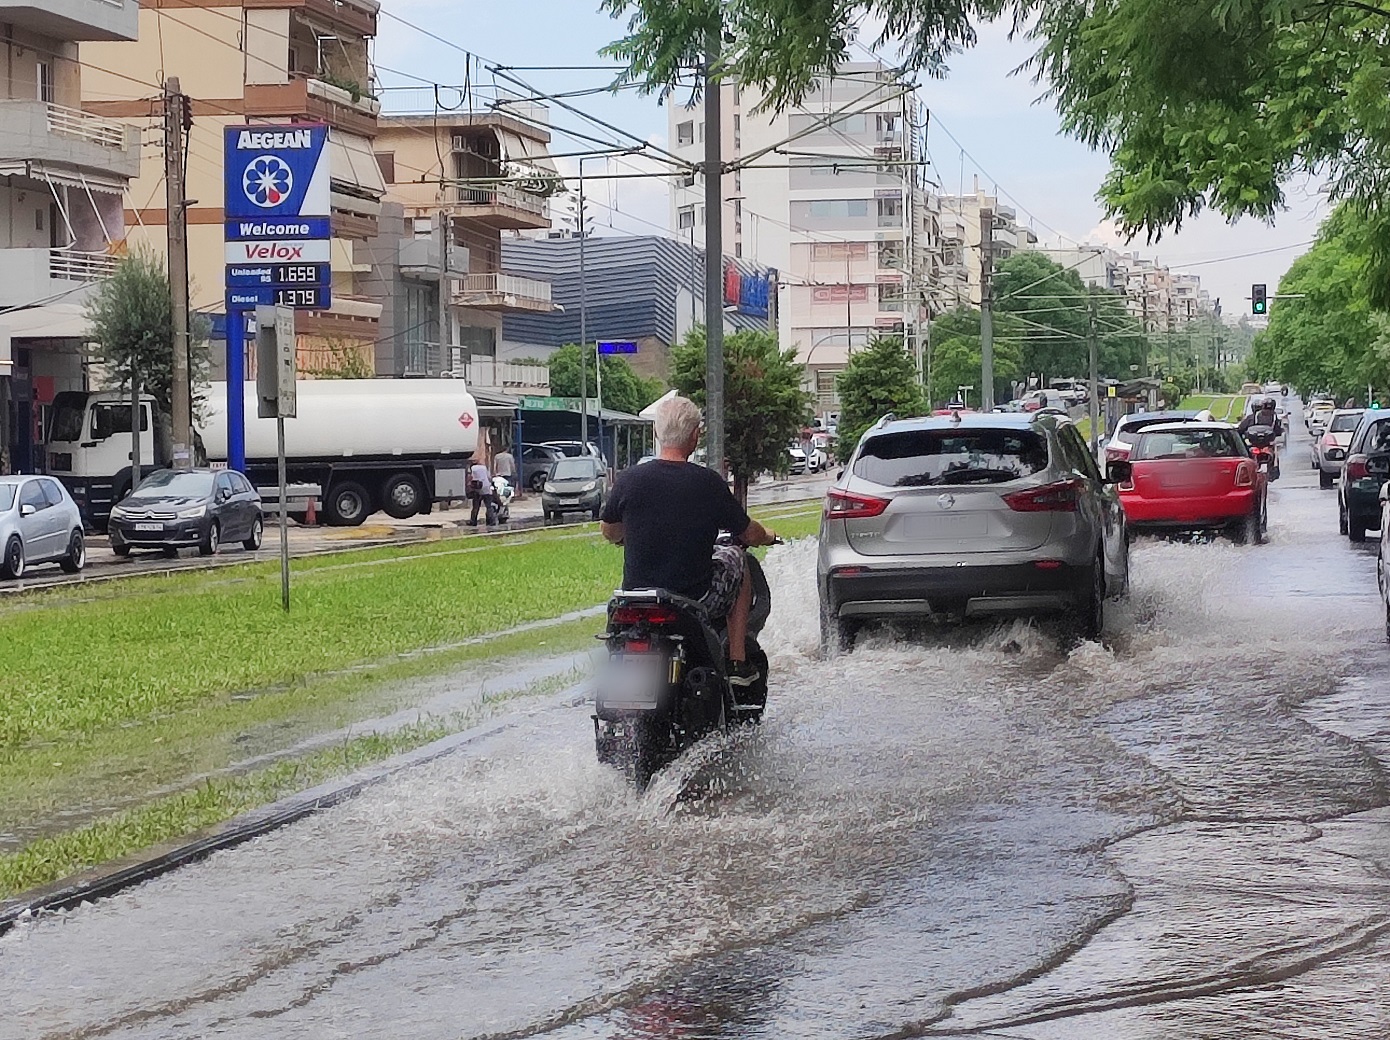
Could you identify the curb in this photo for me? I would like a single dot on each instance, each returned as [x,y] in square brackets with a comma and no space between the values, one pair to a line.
[101,882]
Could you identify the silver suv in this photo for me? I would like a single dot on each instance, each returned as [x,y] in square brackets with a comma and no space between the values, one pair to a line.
[966,515]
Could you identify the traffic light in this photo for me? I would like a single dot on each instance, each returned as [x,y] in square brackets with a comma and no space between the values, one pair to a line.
[1259,302]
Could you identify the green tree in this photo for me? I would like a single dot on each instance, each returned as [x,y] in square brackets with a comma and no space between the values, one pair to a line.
[879,379]
[131,320]
[764,404]
[623,389]
[956,354]
[343,359]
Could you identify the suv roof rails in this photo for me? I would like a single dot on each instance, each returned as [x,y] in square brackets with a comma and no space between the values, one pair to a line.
[886,419]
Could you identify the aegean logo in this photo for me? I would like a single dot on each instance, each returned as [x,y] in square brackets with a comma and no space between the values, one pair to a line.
[267,181]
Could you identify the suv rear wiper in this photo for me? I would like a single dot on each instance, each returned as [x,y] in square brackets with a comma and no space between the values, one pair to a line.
[975,476]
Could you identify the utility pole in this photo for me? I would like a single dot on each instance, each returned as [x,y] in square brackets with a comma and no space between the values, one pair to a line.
[442,317]
[583,319]
[986,316]
[178,117]
[1093,348]
[714,259]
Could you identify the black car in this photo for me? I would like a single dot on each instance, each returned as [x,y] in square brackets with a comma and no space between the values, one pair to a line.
[1363,474]
[199,507]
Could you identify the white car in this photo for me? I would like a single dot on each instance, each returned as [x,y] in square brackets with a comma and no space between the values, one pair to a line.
[39,523]
[1319,415]
[1127,430]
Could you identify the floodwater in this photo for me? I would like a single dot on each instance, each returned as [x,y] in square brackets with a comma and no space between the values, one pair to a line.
[1182,835]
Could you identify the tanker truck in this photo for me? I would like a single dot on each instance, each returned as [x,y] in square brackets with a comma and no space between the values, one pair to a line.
[398,445]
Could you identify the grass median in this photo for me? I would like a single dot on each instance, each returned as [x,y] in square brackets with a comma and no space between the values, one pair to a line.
[1223,407]
[122,696]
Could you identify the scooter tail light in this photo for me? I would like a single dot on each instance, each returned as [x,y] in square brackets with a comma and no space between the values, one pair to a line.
[1061,497]
[1245,475]
[842,505]
[649,615]
[1356,467]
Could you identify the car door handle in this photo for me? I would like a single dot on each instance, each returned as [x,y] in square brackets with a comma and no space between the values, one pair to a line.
[88,444]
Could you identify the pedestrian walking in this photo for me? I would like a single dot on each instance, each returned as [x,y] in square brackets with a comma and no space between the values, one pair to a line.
[504,465]
[481,492]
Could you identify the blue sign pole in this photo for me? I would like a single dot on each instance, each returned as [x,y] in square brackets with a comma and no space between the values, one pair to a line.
[236,390]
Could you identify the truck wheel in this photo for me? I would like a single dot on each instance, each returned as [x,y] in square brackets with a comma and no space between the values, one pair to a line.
[348,504]
[403,495]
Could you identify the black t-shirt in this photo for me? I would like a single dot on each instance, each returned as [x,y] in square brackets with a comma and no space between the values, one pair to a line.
[672,512]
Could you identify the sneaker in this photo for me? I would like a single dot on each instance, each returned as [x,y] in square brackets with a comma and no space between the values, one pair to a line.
[743,674]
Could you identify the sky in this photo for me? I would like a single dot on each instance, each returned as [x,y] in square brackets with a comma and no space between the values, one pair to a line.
[986,123]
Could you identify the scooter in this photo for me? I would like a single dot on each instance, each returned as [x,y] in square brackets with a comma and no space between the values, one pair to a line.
[665,684]
[503,492]
[1262,449]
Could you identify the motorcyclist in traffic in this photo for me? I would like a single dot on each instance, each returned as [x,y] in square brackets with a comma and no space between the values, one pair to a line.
[667,516]
[1265,415]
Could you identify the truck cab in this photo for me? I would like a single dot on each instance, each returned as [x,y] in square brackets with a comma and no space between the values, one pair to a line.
[90,447]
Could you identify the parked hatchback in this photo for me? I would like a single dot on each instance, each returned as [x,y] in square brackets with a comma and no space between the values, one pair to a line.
[1364,473]
[575,485]
[1330,450]
[199,507]
[982,513]
[39,523]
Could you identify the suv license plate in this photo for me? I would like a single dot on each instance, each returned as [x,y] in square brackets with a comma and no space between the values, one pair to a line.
[149,527]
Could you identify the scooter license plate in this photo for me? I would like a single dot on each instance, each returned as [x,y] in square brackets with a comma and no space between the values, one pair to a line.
[632,680]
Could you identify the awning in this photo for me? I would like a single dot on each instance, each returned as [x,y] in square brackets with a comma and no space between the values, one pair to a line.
[69,177]
[531,158]
[352,166]
[492,405]
[649,412]
[51,321]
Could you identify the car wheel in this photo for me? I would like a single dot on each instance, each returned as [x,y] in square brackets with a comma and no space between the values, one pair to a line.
[537,481]
[76,558]
[1356,532]
[1325,479]
[211,543]
[594,512]
[403,496]
[257,535]
[348,504]
[1341,519]
[1088,620]
[12,566]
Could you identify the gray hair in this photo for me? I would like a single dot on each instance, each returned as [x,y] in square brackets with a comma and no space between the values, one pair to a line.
[677,421]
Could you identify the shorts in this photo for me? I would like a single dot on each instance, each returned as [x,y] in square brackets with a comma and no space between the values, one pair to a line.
[725,581]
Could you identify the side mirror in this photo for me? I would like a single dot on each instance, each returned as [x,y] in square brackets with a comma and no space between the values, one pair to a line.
[1119,472]
[223,494]
[839,474]
[28,510]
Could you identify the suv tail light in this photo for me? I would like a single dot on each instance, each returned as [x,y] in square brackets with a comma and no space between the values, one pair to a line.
[841,505]
[1061,497]
[1356,467]
[655,614]
[1245,474]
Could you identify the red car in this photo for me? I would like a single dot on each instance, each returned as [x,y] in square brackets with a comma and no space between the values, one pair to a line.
[1193,476]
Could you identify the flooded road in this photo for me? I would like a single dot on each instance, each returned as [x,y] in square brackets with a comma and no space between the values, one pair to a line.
[1181,835]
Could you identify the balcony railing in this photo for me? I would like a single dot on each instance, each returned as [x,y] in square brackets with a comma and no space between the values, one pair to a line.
[507,291]
[71,122]
[502,195]
[500,375]
[73,265]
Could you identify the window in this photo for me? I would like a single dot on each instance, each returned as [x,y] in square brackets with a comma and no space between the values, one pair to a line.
[1187,444]
[823,209]
[890,212]
[52,493]
[687,180]
[888,125]
[685,217]
[110,419]
[890,254]
[45,82]
[240,484]
[7,492]
[685,132]
[386,162]
[32,495]
[1344,423]
[926,458]
[1076,454]
[738,250]
[839,250]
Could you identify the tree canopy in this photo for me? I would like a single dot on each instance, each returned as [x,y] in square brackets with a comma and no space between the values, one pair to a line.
[131,321]
[880,378]
[623,389]
[764,404]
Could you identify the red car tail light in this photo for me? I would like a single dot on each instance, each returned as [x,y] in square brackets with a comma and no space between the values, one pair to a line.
[1061,497]
[841,505]
[651,615]
[1356,467]
[1245,474]
[1117,454]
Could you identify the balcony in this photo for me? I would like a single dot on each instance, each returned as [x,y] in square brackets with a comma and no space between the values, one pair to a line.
[39,138]
[307,97]
[501,206]
[486,374]
[504,292]
[418,258]
[75,20]
[357,17]
[30,275]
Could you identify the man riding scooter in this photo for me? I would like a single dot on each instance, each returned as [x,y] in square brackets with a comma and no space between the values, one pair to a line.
[1262,444]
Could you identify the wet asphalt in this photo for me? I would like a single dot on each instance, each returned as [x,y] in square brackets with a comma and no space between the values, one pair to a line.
[1181,834]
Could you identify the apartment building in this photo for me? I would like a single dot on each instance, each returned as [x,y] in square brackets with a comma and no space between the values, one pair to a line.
[1156,297]
[257,62]
[481,172]
[962,233]
[832,195]
[61,213]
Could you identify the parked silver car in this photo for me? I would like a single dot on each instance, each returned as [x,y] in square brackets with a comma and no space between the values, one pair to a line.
[983,513]
[575,485]
[39,523]
[1330,450]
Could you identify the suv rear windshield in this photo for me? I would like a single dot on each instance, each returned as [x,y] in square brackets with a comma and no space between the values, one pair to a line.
[1129,432]
[1187,444]
[921,458]
[1344,423]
